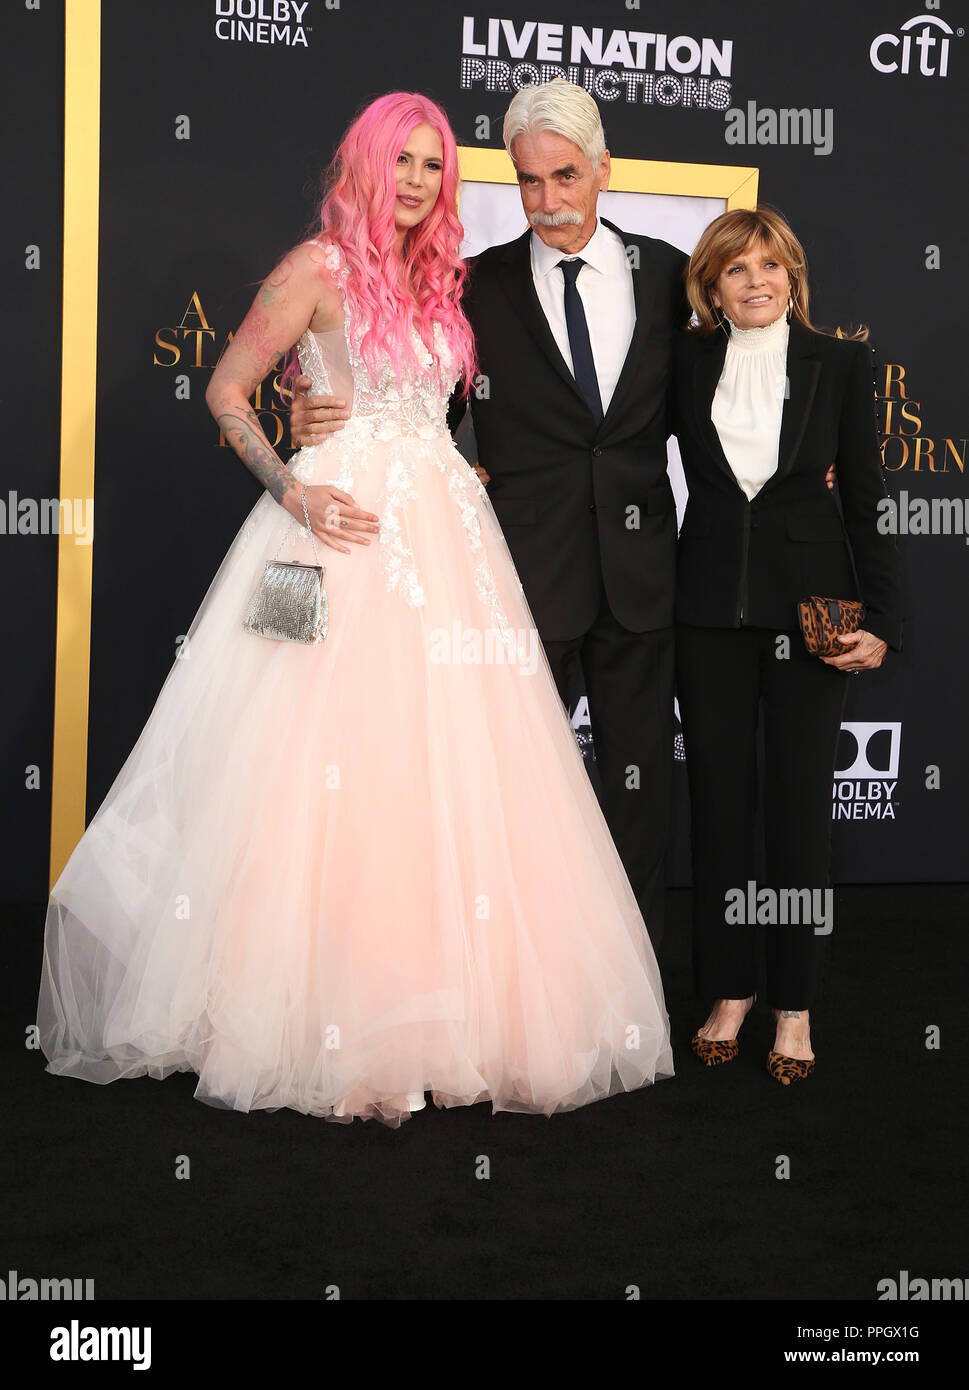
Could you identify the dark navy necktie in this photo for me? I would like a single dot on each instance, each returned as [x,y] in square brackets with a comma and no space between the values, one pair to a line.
[583,367]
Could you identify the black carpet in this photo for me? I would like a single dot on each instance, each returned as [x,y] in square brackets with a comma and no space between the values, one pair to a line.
[673,1190]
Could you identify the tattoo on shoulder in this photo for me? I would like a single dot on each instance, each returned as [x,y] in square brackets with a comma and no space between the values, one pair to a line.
[275,280]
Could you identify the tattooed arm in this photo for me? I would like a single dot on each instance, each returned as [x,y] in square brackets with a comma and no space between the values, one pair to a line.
[298,293]
[282,310]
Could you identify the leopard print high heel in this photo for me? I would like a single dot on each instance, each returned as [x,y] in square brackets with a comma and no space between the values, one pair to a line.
[713,1052]
[787,1070]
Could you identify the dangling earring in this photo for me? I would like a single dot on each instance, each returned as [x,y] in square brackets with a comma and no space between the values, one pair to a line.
[790,309]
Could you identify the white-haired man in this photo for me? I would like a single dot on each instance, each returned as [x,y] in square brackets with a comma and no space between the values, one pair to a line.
[573,323]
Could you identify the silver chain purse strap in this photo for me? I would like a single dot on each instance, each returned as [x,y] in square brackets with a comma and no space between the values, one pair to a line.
[290,604]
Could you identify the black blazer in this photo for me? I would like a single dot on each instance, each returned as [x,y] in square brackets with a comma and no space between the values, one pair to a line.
[761,557]
[560,485]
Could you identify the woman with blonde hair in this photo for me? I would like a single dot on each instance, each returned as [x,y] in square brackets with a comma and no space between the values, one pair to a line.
[764,403]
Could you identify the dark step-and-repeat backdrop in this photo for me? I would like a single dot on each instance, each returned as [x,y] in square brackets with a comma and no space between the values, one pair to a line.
[196,131]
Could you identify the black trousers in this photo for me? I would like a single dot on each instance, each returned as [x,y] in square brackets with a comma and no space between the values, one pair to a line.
[727,680]
[628,679]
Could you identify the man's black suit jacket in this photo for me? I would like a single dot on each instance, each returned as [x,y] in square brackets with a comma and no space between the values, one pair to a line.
[576,500]
[760,558]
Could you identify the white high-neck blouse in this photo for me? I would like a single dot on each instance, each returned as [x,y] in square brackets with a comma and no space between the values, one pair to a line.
[749,401]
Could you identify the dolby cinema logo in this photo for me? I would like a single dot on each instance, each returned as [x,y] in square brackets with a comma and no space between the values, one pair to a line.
[263,22]
[866,772]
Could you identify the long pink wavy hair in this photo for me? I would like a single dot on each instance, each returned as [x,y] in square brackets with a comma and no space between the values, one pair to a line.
[389,290]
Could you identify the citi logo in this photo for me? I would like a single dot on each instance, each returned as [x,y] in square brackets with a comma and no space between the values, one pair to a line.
[929,35]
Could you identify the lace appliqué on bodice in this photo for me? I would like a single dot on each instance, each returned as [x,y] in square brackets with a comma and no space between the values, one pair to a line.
[413,414]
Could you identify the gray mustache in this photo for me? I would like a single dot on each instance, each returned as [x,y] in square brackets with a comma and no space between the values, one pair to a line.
[568,217]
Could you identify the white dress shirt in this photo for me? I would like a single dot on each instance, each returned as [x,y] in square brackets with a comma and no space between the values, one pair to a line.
[605,286]
[749,401]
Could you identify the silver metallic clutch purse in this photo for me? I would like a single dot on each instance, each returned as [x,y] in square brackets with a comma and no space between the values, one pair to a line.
[290,604]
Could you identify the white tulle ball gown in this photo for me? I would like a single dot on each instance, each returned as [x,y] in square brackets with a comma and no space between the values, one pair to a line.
[337,877]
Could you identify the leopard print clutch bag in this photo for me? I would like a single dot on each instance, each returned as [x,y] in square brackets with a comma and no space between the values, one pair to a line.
[822,620]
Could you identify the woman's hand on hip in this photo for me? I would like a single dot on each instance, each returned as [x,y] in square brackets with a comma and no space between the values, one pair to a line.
[333,514]
[863,652]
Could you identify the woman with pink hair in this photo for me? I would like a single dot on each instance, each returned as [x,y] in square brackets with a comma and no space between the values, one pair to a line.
[338,872]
